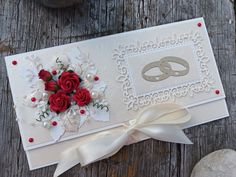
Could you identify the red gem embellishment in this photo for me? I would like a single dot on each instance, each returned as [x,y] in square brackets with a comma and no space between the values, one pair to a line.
[199,24]
[96,78]
[33,99]
[54,72]
[82,111]
[217,92]
[54,123]
[14,62]
[31,140]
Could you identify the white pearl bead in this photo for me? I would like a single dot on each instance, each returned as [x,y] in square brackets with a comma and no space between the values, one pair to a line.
[46,124]
[94,94]
[89,77]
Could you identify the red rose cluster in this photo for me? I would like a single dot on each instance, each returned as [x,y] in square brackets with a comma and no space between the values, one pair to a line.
[65,89]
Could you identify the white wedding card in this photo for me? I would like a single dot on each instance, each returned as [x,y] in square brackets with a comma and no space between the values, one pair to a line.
[64,94]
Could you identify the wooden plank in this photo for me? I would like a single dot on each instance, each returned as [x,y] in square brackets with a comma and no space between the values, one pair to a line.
[27,26]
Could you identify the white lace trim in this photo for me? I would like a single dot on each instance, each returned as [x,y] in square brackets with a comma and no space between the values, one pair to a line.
[133,101]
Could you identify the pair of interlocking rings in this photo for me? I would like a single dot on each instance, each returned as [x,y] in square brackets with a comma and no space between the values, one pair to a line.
[166,69]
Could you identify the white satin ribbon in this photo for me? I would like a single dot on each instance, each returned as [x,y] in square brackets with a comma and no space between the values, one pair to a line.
[160,122]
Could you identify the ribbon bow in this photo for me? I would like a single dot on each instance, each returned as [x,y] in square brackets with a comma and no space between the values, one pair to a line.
[160,122]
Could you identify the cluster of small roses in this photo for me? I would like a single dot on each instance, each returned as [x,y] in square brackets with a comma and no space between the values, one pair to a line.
[63,90]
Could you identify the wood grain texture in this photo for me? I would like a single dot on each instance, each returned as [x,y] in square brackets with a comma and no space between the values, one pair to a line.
[26,26]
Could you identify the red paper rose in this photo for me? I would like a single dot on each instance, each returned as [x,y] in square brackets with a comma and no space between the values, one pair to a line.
[82,97]
[44,75]
[51,86]
[69,81]
[59,102]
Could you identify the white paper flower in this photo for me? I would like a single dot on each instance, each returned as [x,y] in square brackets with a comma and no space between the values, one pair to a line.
[57,132]
[39,85]
[33,98]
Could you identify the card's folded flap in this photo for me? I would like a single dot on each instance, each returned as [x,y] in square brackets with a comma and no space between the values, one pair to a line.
[167,63]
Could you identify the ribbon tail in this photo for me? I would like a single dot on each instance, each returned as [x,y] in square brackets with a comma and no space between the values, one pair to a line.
[168,133]
[68,159]
[97,147]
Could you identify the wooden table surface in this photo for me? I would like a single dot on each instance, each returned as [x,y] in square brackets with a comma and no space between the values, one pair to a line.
[26,26]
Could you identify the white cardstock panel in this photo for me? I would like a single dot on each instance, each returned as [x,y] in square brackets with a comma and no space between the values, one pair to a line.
[119,59]
[136,63]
